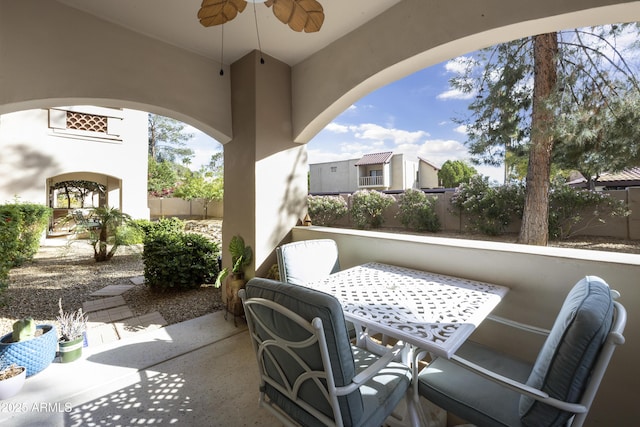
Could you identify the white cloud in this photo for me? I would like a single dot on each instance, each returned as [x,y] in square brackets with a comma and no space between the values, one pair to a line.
[370,131]
[337,128]
[455,94]
[460,64]
[462,129]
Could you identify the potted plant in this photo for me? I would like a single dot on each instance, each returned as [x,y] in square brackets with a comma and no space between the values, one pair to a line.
[11,380]
[72,328]
[241,256]
[30,345]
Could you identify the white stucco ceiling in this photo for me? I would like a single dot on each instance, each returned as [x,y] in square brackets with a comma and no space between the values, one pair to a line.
[176,22]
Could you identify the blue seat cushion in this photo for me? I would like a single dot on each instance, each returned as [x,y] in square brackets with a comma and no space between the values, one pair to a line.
[470,396]
[569,353]
[374,400]
[309,304]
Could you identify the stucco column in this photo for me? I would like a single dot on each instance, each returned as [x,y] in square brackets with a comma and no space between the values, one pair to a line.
[265,172]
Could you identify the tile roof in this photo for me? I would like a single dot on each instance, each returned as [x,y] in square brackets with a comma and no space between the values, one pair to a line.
[375,159]
[632,174]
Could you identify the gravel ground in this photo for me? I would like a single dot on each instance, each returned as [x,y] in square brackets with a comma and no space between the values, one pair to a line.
[66,270]
[69,272]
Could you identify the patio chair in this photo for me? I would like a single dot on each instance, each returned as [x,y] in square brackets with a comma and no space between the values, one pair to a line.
[488,388]
[307,260]
[84,223]
[310,374]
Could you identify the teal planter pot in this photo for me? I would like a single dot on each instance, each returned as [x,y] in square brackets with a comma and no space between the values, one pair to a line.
[34,354]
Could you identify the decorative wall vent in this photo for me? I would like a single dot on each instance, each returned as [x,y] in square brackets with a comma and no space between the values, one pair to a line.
[87,122]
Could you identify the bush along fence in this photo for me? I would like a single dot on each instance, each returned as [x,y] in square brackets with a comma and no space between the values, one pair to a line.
[22,226]
[478,207]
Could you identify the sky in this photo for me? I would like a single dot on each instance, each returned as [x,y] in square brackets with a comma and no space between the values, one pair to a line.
[411,116]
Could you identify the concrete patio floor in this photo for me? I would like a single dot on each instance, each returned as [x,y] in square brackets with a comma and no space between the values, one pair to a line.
[198,373]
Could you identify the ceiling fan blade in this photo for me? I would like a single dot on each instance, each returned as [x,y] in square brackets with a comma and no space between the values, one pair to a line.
[300,15]
[216,12]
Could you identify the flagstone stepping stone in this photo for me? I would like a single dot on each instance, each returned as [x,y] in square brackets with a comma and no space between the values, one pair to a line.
[109,315]
[102,334]
[138,280]
[103,303]
[111,290]
[144,323]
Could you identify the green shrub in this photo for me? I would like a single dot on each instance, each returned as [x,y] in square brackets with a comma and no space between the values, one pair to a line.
[570,208]
[488,209]
[326,210]
[368,206]
[168,225]
[10,225]
[416,210]
[179,261]
[35,219]
[129,234]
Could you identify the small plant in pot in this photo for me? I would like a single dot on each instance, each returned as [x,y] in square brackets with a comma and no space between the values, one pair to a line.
[31,346]
[241,256]
[72,328]
[11,380]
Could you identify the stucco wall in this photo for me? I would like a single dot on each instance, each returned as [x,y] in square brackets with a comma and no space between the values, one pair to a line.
[33,152]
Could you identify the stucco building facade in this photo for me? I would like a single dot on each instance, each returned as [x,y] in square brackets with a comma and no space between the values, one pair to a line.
[44,147]
[375,171]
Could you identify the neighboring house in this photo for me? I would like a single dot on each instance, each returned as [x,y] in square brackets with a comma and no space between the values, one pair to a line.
[377,171]
[610,181]
[620,180]
[44,147]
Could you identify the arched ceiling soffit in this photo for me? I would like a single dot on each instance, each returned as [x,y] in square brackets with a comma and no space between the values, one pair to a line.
[417,34]
[70,57]
[116,103]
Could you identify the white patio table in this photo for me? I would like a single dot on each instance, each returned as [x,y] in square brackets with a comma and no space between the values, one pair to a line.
[430,312]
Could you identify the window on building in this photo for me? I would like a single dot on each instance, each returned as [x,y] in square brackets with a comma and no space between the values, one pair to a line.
[334,169]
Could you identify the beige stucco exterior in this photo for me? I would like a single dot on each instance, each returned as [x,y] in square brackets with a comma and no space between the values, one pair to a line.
[264,114]
[121,67]
[38,151]
[401,172]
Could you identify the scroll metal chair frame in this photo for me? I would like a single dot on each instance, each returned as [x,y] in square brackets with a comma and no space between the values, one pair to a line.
[474,373]
[323,379]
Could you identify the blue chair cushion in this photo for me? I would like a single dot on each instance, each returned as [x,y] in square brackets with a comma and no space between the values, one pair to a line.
[471,396]
[567,357]
[307,260]
[309,304]
[368,406]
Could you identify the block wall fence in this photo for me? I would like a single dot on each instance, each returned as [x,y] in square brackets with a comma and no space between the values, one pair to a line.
[620,228]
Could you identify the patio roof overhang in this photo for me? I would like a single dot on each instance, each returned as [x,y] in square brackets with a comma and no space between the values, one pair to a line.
[151,55]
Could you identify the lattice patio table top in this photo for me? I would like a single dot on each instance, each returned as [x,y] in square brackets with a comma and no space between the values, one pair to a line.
[431,311]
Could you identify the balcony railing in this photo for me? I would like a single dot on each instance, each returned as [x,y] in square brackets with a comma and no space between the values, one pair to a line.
[371,181]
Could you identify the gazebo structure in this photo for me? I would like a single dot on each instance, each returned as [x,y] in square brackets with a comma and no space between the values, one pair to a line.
[154,55]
